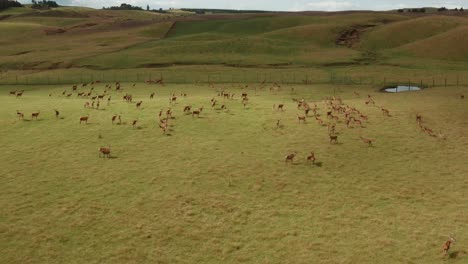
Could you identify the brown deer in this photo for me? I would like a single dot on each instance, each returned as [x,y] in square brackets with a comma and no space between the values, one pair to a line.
[278,124]
[290,157]
[333,138]
[385,112]
[138,105]
[114,117]
[187,108]
[57,113]
[108,100]
[196,113]
[418,118]
[12,92]
[280,107]
[151,95]
[84,119]
[367,140]
[19,94]
[163,127]
[105,152]
[448,244]
[86,105]
[301,118]
[35,115]
[311,158]
[19,114]
[134,123]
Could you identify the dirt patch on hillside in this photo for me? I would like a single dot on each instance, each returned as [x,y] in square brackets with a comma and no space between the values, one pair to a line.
[4,17]
[54,31]
[351,36]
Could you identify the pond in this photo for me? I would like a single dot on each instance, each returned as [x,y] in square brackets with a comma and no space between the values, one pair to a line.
[402,88]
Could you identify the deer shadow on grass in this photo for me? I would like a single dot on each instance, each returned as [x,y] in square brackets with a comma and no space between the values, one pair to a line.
[318,164]
[457,254]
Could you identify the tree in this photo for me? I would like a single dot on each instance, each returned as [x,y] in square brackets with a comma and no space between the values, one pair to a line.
[147,7]
[4,4]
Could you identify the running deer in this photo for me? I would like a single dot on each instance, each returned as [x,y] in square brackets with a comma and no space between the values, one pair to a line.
[19,114]
[290,157]
[35,115]
[448,244]
[84,119]
[311,158]
[367,140]
[105,152]
[301,118]
[333,138]
[138,105]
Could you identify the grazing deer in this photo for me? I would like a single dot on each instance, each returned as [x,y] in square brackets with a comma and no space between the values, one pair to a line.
[56,113]
[151,95]
[19,94]
[19,114]
[385,112]
[333,138]
[311,158]
[139,104]
[280,107]
[448,244]
[12,92]
[367,140]
[134,123]
[301,118]
[105,152]
[290,157]
[35,115]
[84,119]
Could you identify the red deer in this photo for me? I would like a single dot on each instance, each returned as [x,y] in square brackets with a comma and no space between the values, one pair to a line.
[333,138]
[278,124]
[173,99]
[358,122]
[244,95]
[114,117]
[163,127]
[100,96]
[134,123]
[151,95]
[301,118]
[418,118]
[187,108]
[290,157]
[311,158]
[84,119]
[213,104]
[196,113]
[20,115]
[356,93]
[105,152]
[97,105]
[86,105]
[385,112]
[92,104]
[120,120]
[108,100]
[139,104]
[93,98]
[35,115]
[331,128]
[447,245]
[56,113]
[12,92]
[280,107]
[367,140]
[19,94]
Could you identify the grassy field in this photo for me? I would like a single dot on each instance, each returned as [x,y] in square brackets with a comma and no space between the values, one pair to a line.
[216,188]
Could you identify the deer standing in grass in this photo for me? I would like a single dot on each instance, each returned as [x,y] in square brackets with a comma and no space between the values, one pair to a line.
[311,158]
[35,115]
[138,105]
[134,123]
[367,140]
[57,113]
[19,94]
[105,152]
[114,118]
[151,95]
[84,119]
[19,114]
[333,138]
[448,244]
[301,118]
[290,157]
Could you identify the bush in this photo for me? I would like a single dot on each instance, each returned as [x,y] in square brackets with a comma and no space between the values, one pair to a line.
[44,4]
